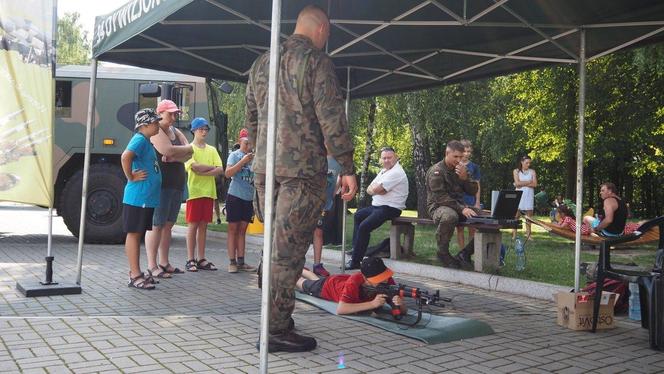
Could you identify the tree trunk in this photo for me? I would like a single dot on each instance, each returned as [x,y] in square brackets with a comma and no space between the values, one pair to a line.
[421,157]
[368,151]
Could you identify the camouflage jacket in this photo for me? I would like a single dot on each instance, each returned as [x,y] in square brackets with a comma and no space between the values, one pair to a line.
[310,115]
[444,188]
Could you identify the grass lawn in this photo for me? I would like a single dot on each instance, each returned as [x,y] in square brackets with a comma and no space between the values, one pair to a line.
[549,258]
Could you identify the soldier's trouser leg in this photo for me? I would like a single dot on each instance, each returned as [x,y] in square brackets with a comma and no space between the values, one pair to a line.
[298,203]
[446,218]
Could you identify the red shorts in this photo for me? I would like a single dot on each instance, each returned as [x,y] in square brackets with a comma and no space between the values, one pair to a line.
[199,210]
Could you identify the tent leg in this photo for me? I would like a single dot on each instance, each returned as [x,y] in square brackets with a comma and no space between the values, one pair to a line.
[579,159]
[86,167]
[343,214]
[269,183]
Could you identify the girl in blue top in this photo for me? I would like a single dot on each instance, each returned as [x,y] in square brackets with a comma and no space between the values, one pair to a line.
[141,194]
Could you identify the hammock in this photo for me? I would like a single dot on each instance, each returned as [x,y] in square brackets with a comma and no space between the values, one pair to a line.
[651,234]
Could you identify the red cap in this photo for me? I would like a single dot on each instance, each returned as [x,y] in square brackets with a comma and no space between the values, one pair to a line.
[167,106]
[244,133]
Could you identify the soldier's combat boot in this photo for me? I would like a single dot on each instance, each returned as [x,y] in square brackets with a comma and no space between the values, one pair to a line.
[289,341]
[464,256]
[447,260]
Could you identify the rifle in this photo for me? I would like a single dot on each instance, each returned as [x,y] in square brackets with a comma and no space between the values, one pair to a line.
[421,297]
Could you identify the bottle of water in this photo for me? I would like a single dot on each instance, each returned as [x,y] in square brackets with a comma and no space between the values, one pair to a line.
[520,252]
[634,302]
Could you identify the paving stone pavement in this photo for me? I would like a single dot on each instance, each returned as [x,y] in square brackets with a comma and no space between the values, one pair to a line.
[209,321]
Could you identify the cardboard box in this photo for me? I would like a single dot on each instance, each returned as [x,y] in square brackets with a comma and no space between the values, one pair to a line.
[575,310]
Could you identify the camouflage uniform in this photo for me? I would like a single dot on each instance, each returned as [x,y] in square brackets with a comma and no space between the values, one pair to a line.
[445,202]
[311,122]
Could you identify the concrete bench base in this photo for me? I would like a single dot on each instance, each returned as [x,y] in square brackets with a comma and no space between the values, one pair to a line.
[487,241]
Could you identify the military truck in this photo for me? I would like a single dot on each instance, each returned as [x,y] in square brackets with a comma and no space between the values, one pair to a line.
[121,91]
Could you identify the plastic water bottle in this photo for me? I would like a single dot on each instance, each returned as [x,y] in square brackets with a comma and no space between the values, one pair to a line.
[634,302]
[520,252]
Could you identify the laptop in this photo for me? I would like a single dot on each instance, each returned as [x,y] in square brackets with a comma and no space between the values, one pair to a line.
[504,210]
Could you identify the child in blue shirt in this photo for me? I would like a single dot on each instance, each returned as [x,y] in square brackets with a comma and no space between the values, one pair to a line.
[141,194]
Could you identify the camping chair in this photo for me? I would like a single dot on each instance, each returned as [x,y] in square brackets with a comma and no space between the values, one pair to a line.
[649,288]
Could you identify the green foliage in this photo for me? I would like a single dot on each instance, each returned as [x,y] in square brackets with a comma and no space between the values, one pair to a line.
[73,46]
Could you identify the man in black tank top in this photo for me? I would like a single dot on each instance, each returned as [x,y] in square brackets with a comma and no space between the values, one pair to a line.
[615,213]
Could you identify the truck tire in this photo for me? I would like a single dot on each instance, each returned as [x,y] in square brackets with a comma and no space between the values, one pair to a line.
[104,204]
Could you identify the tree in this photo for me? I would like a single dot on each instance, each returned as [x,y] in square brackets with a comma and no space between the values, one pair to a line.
[73,47]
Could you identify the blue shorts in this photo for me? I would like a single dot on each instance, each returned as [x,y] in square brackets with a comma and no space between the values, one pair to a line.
[169,207]
[594,225]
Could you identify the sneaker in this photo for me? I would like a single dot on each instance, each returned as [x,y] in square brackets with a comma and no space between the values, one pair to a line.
[218,221]
[351,265]
[321,271]
[245,267]
[232,268]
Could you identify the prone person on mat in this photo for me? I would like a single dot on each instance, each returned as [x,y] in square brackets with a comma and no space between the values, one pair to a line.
[347,290]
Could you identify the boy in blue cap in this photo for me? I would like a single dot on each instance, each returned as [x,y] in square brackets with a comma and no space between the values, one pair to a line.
[141,194]
[203,166]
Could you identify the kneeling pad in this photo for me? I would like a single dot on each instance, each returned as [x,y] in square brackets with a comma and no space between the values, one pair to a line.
[431,329]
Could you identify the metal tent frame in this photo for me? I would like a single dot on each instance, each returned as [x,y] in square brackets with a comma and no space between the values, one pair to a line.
[372,49]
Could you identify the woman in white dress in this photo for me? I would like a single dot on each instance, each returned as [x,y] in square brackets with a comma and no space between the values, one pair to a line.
[525,179]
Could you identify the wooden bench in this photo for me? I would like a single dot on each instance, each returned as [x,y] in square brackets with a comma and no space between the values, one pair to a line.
[487,240]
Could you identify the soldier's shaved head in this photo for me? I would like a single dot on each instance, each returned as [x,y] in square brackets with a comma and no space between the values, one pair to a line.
[313,23]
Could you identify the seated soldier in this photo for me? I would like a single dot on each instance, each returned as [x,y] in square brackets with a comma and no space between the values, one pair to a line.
[346,289]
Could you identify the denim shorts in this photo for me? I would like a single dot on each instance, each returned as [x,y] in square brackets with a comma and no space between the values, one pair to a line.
[596,222]
[169,207]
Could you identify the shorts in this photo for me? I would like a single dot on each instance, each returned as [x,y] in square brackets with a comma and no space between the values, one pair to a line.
[313,287]
[325,220]
[169,207]
[238,210]
[136,219]
[594,225]
[199,210]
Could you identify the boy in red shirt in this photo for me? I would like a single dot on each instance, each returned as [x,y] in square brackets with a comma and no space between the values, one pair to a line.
[346,289]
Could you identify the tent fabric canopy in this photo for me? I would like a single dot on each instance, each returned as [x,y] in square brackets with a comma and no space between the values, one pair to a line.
[389,45]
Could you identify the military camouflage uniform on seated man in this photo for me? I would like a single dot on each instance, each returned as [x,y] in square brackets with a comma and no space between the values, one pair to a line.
[446,182]
[311,122]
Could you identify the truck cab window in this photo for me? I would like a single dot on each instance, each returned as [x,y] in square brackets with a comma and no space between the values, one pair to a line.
[62,99]
[184,99]
[146,102]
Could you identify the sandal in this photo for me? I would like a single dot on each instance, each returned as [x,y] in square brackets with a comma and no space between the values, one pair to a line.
[191,265]
[140,282]
[160,273]
[208,265]
[149,278]
[173,271]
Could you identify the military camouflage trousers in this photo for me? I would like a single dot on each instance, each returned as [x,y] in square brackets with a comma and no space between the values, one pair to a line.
[298,203]
[446,218]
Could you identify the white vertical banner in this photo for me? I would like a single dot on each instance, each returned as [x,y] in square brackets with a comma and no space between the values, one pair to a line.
[27,57]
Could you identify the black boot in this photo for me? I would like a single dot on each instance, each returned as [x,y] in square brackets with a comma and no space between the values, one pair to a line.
[447,260]
[352,265]
[464,256]
[289,342]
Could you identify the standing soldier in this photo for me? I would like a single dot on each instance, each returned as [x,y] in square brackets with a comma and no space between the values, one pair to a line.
[447,181]
[311,121]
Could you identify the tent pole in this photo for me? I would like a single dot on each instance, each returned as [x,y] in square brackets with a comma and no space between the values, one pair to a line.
[579,159]
[86,166]
[269,182]
[343,215]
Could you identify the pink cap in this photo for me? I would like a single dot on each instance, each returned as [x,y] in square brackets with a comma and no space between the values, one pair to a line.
[167,106]
[244,133]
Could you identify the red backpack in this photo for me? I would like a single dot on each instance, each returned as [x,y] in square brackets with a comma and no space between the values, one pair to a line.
[612,285]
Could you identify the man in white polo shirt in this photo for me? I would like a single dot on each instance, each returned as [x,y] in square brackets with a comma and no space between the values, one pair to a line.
[389,191]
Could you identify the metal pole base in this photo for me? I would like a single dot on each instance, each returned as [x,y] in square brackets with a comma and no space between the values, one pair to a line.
[36,289]
[48,287]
